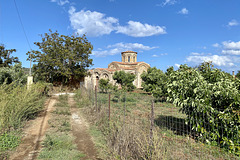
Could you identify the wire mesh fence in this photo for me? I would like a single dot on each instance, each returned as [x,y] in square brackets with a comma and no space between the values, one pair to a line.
[139,127]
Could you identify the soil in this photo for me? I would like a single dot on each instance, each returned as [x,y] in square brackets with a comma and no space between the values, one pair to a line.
[80,131]
[34,133]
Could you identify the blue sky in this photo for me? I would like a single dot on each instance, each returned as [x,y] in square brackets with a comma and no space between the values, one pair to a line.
[164,32]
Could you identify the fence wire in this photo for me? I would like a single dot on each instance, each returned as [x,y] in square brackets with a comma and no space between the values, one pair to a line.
[139,127]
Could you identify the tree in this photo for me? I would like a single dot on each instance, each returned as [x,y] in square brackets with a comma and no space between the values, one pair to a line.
[5,59]
[238,75]
[104,85]
[155,81]
[61,58]
[14,73]
[125,80]
[210,98]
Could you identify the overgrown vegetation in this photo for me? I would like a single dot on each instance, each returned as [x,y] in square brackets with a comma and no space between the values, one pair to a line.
[17,104]
[209,97]
[13,74]
[127,134]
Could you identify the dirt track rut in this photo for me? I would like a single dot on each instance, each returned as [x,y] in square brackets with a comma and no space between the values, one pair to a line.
[34,134]
[82,138]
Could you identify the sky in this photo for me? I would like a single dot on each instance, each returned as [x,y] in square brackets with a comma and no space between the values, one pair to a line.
[164,32]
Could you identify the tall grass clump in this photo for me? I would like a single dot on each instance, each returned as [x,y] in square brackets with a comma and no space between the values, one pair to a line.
[17,104]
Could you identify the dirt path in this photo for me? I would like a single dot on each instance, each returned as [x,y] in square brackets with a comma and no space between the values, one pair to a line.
[35,131]
[33,134]
[79,126]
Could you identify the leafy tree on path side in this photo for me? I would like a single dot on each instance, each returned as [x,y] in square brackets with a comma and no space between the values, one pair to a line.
[5,59]
[61,58]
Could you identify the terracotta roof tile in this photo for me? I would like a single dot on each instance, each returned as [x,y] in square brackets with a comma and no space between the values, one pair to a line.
[127,63]
[129,52]
[107,69]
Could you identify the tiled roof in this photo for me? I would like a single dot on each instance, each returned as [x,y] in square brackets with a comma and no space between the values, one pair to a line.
[129,52]
[127,63]
[107,69]
[127,68]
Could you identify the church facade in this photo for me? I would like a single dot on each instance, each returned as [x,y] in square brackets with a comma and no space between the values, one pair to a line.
[129,64]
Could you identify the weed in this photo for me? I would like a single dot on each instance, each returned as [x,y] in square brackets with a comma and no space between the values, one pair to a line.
[65,126]
[59,147]
[9,141]
[62,111]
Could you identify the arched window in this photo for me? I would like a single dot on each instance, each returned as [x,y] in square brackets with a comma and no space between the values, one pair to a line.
[128,58]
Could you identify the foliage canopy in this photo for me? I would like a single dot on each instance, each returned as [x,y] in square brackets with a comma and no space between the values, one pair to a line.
[125,80]
[208,96]
[5,59]
[61,58]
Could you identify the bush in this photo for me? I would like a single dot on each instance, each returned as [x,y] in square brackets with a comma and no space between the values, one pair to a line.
[125,80]
[210,99]
[155,81]
[10,74]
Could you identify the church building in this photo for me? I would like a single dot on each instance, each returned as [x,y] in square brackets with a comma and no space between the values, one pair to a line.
[129,64]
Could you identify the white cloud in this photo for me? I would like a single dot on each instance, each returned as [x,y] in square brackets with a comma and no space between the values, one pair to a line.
[161,54]
[183,11]
[216,60]
[231,52]
[231,48]
[196,54]
[137,29]
[216,45]
[233,23]
[231,45]
[164,54]
[130,46]
[97,24]
[169,2]
[177,65]
[120,47]
[92,23]
[60,2]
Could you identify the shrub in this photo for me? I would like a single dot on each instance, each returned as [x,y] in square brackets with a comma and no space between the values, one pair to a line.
[210,99]
[10,74]
[125,80]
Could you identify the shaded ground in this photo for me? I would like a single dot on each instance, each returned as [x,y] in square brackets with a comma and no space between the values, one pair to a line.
[34,134]
[80,131]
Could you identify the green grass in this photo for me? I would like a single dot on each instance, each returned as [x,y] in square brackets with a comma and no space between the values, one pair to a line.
[59,141]
[59,147]
[62,111]
[9,141]
[99,141]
